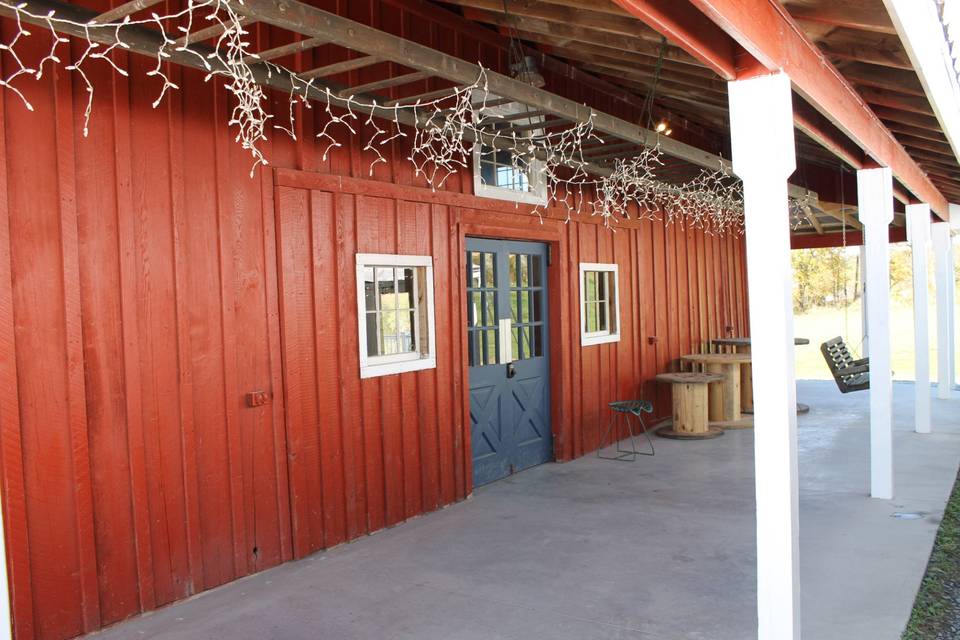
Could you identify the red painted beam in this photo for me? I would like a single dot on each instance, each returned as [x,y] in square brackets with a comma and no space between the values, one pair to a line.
[854,239]
[768,33]
[686,27]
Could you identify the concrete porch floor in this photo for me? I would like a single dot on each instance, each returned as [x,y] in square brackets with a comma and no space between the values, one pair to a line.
[662,548]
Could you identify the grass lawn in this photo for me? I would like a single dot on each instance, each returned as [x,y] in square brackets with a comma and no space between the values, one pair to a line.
[821,324]
[936,611]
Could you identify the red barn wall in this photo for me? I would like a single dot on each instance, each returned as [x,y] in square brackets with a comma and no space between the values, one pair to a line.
[147,283]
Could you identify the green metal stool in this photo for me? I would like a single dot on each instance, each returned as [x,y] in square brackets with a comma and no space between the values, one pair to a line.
[622,410]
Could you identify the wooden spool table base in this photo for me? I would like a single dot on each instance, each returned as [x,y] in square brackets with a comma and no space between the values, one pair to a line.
[725,410]
[673,434]
[689,406]
[742,345]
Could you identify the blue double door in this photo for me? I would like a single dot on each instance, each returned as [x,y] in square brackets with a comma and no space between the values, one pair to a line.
[508,351]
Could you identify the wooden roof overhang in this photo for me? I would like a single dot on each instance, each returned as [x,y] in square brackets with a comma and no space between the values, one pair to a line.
[858,99]
[413,65]
[600,45]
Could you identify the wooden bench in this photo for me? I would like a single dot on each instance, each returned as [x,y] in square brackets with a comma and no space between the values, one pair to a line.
[849,374]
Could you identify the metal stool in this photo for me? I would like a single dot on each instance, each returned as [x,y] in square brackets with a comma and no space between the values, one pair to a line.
[622,410]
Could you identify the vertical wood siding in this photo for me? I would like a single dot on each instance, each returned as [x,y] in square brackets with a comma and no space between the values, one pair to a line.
[147,283]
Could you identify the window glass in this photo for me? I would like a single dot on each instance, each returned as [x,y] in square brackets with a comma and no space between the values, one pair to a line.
[599,304]
[526,303]
[396,313]
[483,332]
[509,174]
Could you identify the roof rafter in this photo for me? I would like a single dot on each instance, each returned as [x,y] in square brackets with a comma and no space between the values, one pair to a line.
[312,22]
[767,33]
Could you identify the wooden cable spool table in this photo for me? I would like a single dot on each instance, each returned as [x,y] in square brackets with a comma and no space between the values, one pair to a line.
[725,409]
[742,345]
[689,406]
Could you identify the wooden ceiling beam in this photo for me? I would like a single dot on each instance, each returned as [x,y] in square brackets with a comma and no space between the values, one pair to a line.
[313,22]
[386,83]
[215,30]
[840,213]
[668,84]
[906,117]
[641,86]
[422,97]
[925,133]
[928,159]
[287,49]
[600,6]
[884,78]
[341,67]
[601,149]
[767,32]
[118,13]
[563,48]
[561,34]
[899,101]
[623,25]
[812,219]
[866,53]
[937,172]
[852,14]
[691,30]
[642,70]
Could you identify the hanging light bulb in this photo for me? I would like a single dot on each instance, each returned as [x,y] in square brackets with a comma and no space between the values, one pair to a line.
[662,126]
[667,131]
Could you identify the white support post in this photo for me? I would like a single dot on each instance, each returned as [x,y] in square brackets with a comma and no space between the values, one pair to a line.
[918,230]
[943,276]
[761,123]
[865,342]
[875,202]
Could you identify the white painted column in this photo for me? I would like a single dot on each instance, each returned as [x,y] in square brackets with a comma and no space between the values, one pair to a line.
[943,276]
[865,342]
[761,119]
[918,231]
[875,202]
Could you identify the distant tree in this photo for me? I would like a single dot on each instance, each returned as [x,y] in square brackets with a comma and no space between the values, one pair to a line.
[824,277]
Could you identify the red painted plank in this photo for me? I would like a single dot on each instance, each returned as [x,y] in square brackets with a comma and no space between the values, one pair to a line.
[181,223]
[132,384]
[227,210]
[368,241]
[446,287]
[296,316]
[103,355]
[355,482]
[327,390]
[277,435]
[39,316]
[16,530]
[408,243]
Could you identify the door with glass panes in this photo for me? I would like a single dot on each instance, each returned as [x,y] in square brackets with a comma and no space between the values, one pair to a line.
[508,351]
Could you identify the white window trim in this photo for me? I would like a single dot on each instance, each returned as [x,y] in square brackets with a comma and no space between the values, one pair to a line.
[374,366]
[537,194]
[599,337]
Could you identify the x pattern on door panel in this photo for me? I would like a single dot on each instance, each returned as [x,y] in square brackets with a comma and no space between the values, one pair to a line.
[529,402]
[486,418]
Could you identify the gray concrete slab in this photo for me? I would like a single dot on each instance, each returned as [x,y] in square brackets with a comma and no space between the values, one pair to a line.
[662,548]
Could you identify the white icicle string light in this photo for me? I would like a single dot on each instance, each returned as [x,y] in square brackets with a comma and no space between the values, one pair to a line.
[442,133]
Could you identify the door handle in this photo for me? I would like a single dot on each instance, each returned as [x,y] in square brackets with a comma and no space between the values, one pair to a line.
[511,370]
[505,352]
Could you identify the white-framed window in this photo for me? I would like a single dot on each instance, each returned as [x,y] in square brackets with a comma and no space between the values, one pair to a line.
[599,303]
[502,173]
[395,310]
